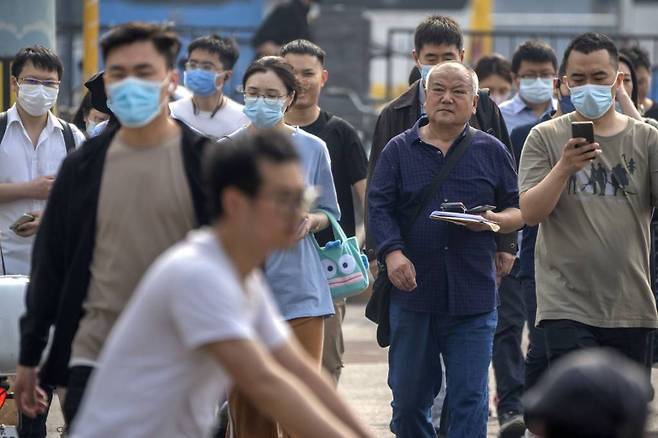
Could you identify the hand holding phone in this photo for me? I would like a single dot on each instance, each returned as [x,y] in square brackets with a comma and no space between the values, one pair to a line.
[27,217]
[481,209]
[583,130]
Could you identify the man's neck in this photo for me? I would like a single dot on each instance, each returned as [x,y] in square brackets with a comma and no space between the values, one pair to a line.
[610,124]
[244,256]
[441,136]
[208,103]
[159,130]
[33,125]
[538,108]
[302,116]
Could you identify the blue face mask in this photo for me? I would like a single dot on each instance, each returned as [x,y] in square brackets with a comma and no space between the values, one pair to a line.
[425,71]
[263,114]
[538,90]
[565,104]
[200,82]
[592,101]
[135,102]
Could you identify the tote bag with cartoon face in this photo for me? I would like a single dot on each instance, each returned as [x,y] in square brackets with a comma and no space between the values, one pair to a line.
[344,267]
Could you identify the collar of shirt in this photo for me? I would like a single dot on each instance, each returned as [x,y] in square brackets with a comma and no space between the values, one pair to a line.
[516,105]
[414,133]
[14,117]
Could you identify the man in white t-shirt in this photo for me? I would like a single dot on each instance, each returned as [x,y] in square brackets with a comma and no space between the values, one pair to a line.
[210,61]
[202,318]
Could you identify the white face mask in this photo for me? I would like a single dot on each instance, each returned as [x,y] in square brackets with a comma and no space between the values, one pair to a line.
[36,99]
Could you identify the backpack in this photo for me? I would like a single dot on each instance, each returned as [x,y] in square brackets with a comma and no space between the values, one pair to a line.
[69,141]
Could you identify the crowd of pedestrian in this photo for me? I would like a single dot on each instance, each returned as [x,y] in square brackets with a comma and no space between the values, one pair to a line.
[173,241]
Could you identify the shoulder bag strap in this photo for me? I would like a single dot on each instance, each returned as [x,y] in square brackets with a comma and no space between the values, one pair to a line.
[69,140]
[459,149]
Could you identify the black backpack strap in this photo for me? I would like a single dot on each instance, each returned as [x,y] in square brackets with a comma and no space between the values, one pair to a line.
[69,140]
[3,124]
[459,149]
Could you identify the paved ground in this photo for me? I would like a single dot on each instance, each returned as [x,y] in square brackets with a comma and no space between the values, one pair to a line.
[364,380]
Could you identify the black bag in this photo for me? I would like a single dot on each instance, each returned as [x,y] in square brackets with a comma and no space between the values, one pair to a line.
[377,309]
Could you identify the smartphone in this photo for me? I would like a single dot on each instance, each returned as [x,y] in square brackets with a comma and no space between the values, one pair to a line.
[27,217]
[584,130]
[453,207]
[481,209]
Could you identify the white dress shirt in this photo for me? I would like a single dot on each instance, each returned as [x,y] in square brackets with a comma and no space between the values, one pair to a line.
[21,162]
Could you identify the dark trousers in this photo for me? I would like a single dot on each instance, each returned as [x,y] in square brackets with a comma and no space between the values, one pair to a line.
[34,427]
[507,359]
[564,336]
[536,360]
[78,380]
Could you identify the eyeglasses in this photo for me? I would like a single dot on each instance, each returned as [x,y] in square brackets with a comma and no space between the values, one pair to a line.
[34,81]
[250,97]
[207,66]
[288,202]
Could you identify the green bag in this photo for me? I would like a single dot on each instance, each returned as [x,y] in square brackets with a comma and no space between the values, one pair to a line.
[344,267]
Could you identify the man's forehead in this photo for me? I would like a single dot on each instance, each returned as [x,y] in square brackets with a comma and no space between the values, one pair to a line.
[450,74]
[29,69]
[139,52]
[587,62]
[299,60]
[438,49]
[205,55]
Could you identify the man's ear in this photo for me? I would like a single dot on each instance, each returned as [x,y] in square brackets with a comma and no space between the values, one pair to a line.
[414,55]
[476,99]
[461,55]
[325,77]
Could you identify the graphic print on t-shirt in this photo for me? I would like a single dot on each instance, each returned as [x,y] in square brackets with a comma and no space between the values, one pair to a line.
[599,180]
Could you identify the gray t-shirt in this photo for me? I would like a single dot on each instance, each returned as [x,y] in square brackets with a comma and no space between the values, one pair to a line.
[592,253]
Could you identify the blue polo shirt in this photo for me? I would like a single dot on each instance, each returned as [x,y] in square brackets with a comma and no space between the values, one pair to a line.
[517,113]
[455,269]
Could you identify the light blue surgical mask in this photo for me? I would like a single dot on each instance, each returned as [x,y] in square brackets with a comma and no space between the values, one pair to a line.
[425,71]
[592,101]
[201,82]
[263,114]
[536,90]
[135,102]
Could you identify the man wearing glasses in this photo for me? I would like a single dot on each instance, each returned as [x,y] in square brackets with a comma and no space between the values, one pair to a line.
[32,148]
[209,66]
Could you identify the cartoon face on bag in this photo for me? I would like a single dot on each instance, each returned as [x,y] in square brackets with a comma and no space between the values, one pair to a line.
[341,268]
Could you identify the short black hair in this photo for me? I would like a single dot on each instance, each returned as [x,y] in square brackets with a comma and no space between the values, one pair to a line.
[164,39]
[225,48]
[533,51]
[438,29]
[41,57]
[278,66]
[638,56]
[591,42]
[304,47]
[495,64]
[234,162]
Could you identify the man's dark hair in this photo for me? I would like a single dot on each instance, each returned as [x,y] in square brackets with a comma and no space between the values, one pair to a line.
[638,56]
[164,39]
[41,57]
[438,29]
[225,48]
[235,163]
[279,67]
[591,42]
[495,64]
[304,47]
[533,51]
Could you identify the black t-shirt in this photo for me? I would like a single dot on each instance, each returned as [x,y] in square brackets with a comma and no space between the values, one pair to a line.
[349,165]
[652,112]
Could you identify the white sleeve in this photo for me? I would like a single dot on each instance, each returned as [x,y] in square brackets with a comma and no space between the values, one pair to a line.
[272,330]
[207,306]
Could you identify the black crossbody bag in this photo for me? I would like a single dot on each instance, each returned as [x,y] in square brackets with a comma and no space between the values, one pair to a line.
[378,305]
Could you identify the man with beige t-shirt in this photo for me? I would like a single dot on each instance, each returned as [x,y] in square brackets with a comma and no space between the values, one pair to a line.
[594,204]
[120,202]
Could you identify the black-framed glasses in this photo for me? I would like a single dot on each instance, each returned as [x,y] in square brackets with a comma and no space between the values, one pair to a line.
[251,96]
[50,83]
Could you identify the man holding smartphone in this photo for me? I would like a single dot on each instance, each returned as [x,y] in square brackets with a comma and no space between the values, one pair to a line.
[32,145]
[594,201]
